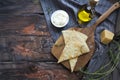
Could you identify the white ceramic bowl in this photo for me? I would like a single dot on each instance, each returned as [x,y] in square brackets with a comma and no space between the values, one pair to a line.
[60,18]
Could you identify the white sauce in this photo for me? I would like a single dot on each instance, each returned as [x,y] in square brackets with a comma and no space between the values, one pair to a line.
[59,18]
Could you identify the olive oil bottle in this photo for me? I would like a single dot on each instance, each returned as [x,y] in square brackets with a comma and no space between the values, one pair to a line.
[87,12]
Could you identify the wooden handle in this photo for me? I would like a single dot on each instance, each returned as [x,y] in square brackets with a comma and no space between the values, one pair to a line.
[107,13]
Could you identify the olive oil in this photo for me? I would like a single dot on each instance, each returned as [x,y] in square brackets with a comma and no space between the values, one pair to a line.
[87,12]
[84,15]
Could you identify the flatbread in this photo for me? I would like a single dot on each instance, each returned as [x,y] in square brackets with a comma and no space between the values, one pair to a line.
[71,50]
[75,45]
[66,34]
[72,35]
[73,63]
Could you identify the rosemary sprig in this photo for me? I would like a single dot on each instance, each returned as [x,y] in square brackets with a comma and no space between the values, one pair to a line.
[114,61]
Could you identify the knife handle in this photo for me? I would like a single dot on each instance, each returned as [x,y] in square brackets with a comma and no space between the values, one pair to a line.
[107,13]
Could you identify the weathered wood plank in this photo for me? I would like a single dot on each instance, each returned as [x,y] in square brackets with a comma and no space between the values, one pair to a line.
[38,71]
[15,7]
[25,44]
[25,37]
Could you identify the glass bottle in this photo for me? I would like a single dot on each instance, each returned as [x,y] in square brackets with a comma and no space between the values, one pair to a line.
[87,12]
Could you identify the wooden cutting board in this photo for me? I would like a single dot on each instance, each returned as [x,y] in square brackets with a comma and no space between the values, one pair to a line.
[82,60]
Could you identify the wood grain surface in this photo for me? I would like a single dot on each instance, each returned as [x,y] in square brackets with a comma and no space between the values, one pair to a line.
[25,44]
[15,7]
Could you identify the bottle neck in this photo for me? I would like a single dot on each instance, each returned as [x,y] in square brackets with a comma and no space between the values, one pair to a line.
[93,3]
[87,8]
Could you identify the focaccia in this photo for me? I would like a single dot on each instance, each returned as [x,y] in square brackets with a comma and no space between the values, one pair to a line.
[75,45]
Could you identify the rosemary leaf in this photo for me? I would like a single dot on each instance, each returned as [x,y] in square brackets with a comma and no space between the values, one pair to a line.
[102,72]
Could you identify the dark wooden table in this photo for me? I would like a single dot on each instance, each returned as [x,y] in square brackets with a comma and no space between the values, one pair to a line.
[25,44]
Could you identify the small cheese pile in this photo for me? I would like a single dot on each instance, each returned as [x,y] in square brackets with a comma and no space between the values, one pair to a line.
[75,45]
[106,36]
[60,18]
